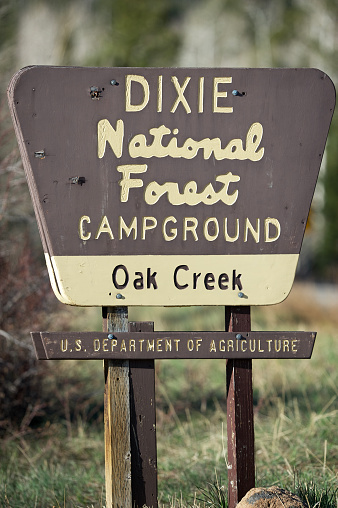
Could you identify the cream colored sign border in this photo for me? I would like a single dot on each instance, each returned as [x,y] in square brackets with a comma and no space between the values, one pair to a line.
[88,280]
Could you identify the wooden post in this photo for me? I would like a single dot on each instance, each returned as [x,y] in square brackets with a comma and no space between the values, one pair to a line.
[240,425]
[143,427]
[117,418]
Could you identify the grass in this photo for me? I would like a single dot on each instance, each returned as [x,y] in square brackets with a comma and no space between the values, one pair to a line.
[215,494]
[286,441]
[47,468]
[312,495]
[59,461]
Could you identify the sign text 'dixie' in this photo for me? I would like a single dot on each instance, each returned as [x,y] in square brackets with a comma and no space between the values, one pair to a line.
[164,345]
[159,168]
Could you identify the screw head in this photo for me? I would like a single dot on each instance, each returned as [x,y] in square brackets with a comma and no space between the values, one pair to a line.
[110,336]
[238,336]
[40,154]
[241,295]
[113,82]
[119,296]
[235,92]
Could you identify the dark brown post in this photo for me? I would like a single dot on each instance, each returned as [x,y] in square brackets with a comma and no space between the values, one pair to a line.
[143,427]
[240,425]
[117,418]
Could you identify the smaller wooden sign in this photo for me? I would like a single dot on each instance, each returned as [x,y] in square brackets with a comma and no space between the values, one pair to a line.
[165,345]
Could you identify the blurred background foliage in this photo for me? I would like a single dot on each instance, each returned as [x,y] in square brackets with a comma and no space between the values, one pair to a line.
[224,33]
[141,33]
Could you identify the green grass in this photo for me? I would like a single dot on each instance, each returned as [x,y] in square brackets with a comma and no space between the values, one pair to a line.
[287,441]
[313,495]
[49,468]
[215,494]
[60,460]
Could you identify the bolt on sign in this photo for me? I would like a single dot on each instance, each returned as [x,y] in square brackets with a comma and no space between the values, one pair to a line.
[171,186]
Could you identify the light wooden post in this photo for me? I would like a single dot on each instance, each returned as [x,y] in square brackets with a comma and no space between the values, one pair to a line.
[117,418]
[240,424]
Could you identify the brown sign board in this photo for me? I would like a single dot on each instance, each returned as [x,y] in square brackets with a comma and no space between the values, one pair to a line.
[166,345]
[171,186]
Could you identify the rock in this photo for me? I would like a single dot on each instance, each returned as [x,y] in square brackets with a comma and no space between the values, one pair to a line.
[271,497]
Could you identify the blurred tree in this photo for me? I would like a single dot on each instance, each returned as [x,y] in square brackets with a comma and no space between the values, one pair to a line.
[141,33]
[327,256]
[7,19]
[270,27]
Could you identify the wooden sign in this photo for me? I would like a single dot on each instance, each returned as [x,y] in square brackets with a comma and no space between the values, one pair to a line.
[165,345]
[171,186]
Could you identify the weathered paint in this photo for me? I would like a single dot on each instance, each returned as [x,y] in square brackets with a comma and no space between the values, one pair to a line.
[143,427]
[240,419]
